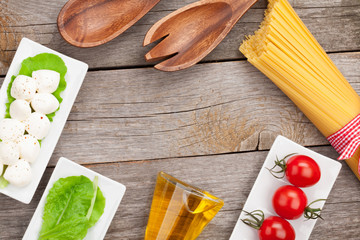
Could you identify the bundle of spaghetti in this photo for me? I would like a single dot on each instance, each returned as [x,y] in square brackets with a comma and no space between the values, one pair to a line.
[287,53]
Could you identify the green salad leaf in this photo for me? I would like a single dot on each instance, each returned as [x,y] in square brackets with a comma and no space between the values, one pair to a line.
[74,228]
[3,181]
[73,205]
[10,98]
[41,61]
[98,209]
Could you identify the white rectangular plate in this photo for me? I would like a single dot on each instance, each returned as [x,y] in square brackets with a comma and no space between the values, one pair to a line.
[265,186]
[74,77]
[112,191]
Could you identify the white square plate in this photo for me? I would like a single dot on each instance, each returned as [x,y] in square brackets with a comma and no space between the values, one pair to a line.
[265,186]
[74,77]
[112,191]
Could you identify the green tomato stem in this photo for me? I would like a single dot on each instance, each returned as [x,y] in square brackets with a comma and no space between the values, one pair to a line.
[281,164]
[313,213]
[256,220]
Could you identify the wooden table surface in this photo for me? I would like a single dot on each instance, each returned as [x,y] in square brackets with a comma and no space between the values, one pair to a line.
[210,125]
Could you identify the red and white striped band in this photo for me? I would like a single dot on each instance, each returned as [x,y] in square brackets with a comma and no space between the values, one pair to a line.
[347,140]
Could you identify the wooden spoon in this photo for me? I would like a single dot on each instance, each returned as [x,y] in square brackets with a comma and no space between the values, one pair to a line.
[89,23]
[192,32]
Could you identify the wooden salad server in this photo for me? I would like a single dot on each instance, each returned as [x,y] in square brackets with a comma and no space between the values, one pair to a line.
[192,32]
[89,23]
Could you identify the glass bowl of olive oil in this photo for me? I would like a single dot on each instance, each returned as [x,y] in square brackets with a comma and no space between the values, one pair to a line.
[179,211]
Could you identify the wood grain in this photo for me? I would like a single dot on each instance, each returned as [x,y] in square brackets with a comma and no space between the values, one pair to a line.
[139,114]
[228,176]
[336,24]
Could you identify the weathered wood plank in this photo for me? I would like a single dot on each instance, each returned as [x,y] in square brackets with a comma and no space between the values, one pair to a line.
[47,13]
[324,3]
[140,114]
[336,24]
[228,176]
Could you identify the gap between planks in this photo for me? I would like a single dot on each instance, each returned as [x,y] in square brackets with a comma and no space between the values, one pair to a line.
[182,157]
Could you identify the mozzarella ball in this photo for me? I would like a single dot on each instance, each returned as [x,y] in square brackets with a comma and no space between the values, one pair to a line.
[29,148]
[19,174]
[47,80]
[9,153]
[23,87]
[37,125]
[44,103]
[20,110]
[11,129]
[1,168]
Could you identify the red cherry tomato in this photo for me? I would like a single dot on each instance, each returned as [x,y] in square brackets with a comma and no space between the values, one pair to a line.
[302,171]
[276,228]
[289,202]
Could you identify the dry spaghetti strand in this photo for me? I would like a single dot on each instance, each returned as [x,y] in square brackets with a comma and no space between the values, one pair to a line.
[287,53]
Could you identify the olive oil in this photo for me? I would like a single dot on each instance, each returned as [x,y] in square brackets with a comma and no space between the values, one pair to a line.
[179,211]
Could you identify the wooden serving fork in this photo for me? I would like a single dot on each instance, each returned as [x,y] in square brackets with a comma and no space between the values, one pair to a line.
[192,32]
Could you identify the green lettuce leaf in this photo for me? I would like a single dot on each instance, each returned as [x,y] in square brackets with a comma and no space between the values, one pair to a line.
[68,203]
[10,98]
[73,229]
[41,61]
[98,209]
[3,181]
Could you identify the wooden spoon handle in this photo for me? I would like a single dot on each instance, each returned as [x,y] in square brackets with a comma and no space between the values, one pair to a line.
[240,7]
